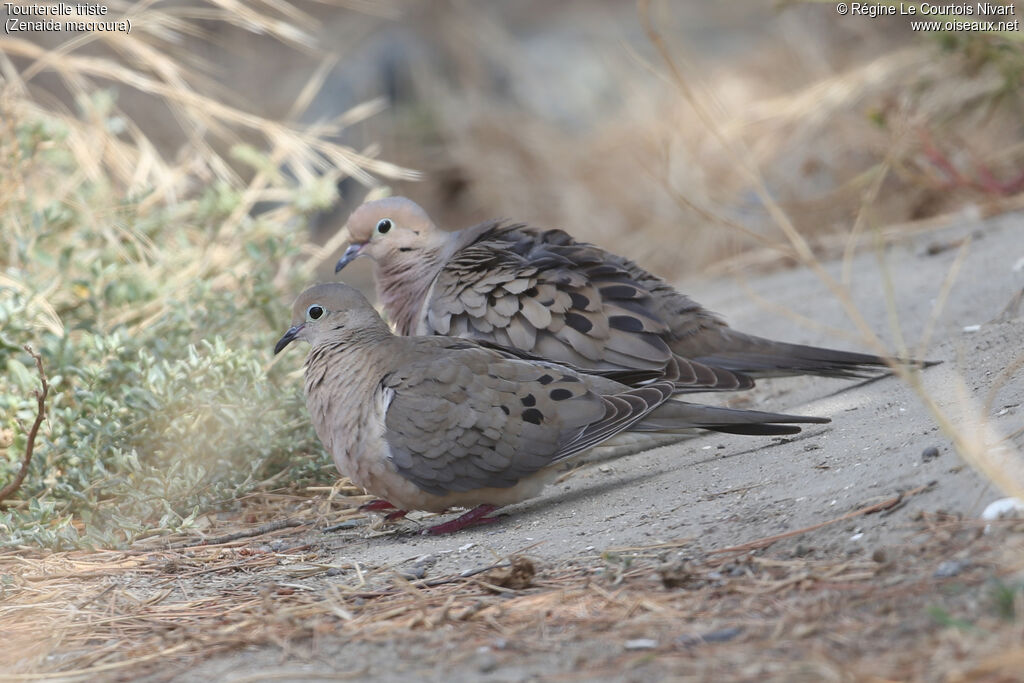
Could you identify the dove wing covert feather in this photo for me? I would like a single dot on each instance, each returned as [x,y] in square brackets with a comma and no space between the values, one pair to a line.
[547,295]
[495,421]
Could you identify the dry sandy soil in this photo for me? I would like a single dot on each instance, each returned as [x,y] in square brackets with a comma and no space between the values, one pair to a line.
[653,566]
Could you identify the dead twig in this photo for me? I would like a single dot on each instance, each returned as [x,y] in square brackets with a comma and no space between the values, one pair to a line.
[248,533]
[14,485]
[867,510]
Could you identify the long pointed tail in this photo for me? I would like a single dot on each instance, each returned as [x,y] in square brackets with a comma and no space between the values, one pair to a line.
[676,416]
[761,357]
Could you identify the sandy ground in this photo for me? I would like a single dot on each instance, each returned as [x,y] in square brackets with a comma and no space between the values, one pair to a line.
[721,490]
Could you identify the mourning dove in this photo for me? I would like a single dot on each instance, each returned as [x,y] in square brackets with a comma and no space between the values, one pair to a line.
[435,422]
[545,293]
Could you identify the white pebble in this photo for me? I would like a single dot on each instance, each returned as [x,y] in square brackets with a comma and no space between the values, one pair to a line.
[1004,508]
[641,644]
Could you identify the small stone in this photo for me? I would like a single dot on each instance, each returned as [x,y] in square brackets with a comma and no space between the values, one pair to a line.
[1004,508]
[485,661]
[335,571]
[950,568]
[878,556]
[414,573]
[641,644]
[929,454]
[722,635]
[425,561]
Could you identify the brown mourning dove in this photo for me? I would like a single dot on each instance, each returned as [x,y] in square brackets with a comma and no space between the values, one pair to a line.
[435,422]
[546,294]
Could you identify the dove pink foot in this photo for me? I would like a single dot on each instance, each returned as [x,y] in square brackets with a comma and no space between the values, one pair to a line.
[474,517]
[380,506]
[376,505]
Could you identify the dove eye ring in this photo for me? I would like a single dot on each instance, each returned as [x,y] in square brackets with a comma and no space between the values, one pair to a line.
[315,312]
[383,225]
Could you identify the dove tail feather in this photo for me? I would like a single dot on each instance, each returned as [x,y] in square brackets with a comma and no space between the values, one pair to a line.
[761,357]
[674,416]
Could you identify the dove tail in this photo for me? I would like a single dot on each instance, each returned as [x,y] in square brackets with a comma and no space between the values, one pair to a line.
[675,416]
[760,357]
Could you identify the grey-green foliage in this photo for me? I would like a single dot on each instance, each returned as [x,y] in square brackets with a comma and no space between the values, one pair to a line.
[163,403]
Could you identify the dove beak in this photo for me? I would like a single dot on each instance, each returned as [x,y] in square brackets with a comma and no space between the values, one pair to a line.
[288,338]
[350,254]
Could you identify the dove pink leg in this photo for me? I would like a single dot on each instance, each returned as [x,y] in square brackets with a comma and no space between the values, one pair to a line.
[381,505]
[474,517]
[376,505]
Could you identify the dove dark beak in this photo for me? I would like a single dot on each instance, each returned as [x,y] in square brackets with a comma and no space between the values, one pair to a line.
[350,254]
[287,339]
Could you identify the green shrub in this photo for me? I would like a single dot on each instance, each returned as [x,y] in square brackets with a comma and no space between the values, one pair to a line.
[155,323]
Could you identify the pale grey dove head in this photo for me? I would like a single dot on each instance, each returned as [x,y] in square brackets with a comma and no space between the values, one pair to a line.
[391,230]
[328,312]
[407,249]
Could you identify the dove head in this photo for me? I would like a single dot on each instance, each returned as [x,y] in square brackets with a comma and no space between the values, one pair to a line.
[391,231]
[331,313]
[408,251]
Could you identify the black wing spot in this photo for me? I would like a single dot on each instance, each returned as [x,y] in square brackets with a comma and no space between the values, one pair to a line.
[578,322]
[504,409]
[626,323]
[533,415]
[578,300]
[560,394]
[545,379]
[619,292]
[528,400]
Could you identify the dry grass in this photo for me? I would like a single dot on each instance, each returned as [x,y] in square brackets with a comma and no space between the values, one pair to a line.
[166,606]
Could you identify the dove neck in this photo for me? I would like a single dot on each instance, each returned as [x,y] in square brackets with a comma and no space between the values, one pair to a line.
[402,286]
[344,370]
[340,377]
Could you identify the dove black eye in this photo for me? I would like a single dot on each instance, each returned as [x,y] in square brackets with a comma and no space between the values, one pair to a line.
[314,312]
[383,225]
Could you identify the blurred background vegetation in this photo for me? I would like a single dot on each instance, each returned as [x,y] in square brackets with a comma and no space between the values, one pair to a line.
[166,193]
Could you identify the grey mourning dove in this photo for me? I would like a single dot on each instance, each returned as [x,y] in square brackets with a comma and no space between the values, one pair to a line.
[436,422]
[544,293]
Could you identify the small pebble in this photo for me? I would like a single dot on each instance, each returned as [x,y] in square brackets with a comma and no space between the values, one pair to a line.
[929,454]
[641,644]
[1004,508]
[950,568]
[413,574]
[722,635]
[485,662]
[335,571]
[878,556]
[425,560]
